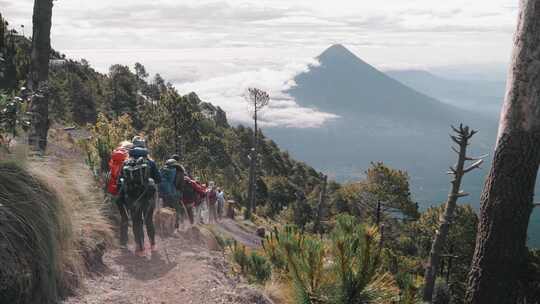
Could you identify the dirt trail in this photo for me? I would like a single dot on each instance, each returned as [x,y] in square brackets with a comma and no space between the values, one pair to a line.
[182,271]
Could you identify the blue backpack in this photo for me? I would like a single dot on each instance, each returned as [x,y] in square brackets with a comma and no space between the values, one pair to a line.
[168,178]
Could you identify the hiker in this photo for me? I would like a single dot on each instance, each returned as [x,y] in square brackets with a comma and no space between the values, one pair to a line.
[172,176]
[138,179]
[190,195]
[211,199]
[199,201]
[220,202]
[118,157]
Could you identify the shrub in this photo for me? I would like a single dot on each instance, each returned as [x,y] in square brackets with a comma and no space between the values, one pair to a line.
[255,266]
[344,269]
[240,256]
[304,255]
[357,259]
[259,268]
[272,250]
[106,136]
[32,231]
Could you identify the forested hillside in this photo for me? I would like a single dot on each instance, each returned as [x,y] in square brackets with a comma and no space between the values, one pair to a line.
[211,149]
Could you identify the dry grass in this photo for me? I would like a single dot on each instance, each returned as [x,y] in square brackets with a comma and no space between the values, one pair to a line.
[280,291]
[56,230]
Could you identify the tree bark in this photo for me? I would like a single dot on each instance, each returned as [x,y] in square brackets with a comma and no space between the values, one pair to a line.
[507,199]
[462,139]
[39,72]
[41,43]
[252,193]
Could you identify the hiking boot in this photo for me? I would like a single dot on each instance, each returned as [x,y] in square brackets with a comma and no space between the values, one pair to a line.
[154,248]
[140,253]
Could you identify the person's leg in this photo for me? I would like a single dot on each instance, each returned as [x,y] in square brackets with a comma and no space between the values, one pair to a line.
[149,221]
[124,219]
[189,209]
[220,209]
[138,232]
[212,212]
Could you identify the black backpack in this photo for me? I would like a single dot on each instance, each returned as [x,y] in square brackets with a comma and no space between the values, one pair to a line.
[136,173]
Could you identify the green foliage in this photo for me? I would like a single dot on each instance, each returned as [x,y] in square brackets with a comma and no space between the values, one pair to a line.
[530,280]
[305,260]
[259,268]
[106,135]
[345,268]
[460,243]
[255,266]
[383,185]
[357,252]
[274,252]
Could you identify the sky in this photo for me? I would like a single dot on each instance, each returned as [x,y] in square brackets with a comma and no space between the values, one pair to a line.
[218,48]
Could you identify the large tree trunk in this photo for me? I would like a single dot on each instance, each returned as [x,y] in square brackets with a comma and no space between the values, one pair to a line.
[507,199]
[39,71]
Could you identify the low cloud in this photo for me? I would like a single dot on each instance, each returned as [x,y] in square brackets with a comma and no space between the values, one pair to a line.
[228,92]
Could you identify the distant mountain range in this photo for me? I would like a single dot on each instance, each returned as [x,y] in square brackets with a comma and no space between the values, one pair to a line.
[391,118]
[480,95]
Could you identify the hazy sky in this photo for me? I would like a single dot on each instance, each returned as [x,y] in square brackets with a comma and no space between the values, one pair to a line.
[201,44]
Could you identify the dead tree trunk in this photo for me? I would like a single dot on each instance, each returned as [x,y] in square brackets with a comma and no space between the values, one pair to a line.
[322,197]
[507,198]
[39,72]
[462,138]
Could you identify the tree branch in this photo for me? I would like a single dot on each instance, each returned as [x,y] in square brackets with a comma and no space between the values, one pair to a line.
[476,165]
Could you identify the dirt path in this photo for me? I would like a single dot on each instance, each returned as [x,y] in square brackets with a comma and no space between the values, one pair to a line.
[233,230]
[182,271]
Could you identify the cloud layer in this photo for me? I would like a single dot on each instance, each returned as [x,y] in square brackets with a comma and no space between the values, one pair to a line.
[219,47]
[282,111]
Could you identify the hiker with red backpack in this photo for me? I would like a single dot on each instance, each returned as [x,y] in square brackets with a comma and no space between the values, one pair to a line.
[118,157]
[138,180]
[191,193]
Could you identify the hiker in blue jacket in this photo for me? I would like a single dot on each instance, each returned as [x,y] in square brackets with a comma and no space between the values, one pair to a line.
[172,176]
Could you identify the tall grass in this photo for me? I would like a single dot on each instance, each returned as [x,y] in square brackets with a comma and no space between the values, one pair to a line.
[32,226]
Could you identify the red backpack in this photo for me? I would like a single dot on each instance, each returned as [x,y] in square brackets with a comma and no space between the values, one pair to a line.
[118,157]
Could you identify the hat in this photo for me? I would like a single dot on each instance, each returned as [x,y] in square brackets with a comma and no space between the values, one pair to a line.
[171,163]
[139,141]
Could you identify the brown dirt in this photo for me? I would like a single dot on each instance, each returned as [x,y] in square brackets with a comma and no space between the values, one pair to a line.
[183,270]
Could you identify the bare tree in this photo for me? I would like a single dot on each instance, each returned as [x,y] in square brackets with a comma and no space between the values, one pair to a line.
[257,100]
[320,207]
[461,138]
[507,198]
[39,72]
